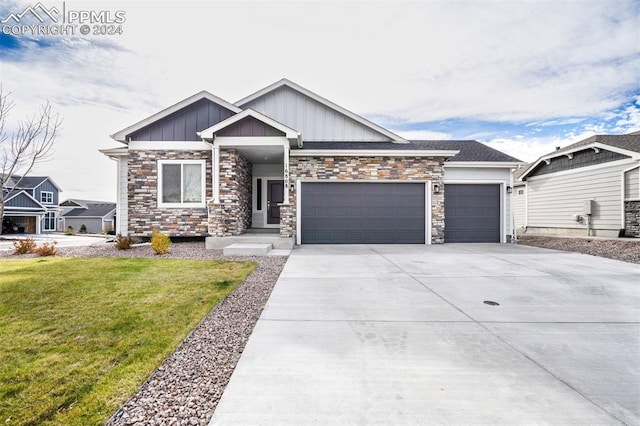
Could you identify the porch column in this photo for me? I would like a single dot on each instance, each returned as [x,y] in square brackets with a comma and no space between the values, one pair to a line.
[286,174]
[216,173]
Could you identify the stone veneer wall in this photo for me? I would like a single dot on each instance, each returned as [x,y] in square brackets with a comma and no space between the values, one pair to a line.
[632,218]
[372,169]
[144,214]
[232,215]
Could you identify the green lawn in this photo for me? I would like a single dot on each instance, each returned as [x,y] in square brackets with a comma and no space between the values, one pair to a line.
[79,336]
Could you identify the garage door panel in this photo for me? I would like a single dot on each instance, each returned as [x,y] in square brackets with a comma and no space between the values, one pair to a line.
[362,213]
[472,213]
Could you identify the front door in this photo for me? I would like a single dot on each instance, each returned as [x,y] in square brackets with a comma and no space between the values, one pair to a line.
[275,196]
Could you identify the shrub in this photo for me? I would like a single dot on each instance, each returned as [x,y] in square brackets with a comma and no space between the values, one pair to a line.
[24,246]
[83,229]
[46,249]
[123,243]
[160,243]
[70,231]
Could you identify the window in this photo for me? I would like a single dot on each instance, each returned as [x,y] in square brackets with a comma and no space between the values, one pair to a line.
[49,221]
[46,197]
[181,183]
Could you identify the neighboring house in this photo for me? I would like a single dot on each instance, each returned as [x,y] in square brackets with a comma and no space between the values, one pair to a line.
[31,205]
[591,187]
[97,216]
[287,159]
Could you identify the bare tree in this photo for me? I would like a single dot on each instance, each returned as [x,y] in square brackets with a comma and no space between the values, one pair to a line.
[27,144]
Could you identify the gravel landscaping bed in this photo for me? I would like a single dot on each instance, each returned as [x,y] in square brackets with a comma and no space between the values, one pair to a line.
[625,250]
[186,388]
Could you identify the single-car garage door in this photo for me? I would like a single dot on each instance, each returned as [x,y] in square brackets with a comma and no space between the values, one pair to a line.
[471,213]
[362,213]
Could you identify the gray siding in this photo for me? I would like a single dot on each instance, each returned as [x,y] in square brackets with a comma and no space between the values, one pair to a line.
[21,200]
[249,126]
[580,159]
[632,184]
[314,120]
[47,186]
[94,226]
[554,198]
[182,125]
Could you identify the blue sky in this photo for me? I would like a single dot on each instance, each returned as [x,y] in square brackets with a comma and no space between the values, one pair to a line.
[522,76]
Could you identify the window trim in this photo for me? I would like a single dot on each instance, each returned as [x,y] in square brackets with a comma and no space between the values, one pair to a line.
[49,216]
[42,193]
[203,168]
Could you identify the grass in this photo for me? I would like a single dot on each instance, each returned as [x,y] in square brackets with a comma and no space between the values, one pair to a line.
[79,336]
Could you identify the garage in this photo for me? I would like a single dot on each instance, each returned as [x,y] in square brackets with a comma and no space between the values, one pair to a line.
[472,213]
[362,213]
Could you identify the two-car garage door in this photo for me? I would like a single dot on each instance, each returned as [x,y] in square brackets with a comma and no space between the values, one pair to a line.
[362,213]
[394,213]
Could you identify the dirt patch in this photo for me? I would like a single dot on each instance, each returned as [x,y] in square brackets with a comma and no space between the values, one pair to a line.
[625,250]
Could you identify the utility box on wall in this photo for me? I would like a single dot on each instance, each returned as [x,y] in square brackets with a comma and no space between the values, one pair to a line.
[589,207]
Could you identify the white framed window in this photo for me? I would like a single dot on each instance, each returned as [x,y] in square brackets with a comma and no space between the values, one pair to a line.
[46,197]
[49,221]
[181,183]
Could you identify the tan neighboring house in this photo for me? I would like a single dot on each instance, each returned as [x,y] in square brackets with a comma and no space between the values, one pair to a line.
[591,187]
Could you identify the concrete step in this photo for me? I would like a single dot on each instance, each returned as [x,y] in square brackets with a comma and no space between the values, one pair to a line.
[247,249]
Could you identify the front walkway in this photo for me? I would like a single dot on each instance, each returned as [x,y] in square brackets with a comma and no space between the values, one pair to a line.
[400,335]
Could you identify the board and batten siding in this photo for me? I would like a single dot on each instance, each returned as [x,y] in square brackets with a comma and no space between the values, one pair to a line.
[554,198]
[484,175]
[314,120]
[632,184]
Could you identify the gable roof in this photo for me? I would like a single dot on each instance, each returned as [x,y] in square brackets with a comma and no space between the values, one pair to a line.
[244,102]
[121,136]
[628,145]
[462,150]
[16,194]
[32,182]
[92,210]
[291,134]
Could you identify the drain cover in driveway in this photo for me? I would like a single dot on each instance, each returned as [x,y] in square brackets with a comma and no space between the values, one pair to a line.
[491,303]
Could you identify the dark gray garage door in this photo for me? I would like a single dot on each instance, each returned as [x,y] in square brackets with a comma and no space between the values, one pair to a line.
[471,213]
[362,213]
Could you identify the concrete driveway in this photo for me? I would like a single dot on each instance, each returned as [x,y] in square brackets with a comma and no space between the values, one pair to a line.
[400,335]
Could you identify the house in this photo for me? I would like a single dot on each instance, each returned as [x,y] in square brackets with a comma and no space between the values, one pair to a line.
[97,216]
[591,187]
[288,160]
[31,205]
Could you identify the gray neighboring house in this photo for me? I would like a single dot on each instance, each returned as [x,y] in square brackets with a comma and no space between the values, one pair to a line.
[97,216]
[591,187]
[31,205]
[288,160]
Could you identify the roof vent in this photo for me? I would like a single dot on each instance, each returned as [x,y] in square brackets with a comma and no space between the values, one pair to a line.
[557,148]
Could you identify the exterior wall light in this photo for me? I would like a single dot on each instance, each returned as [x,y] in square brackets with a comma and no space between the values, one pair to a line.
[509,189]
[436,189]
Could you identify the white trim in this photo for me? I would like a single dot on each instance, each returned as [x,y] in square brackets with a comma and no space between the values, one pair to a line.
[114,152]
[241,141]
[587,168]
[168,146]
[427,201]
[20,191]
[503,233]
[203,167]
[371,153]
[43,210]
[18,214]
[48,193]
[323,101]
[285,172]
[209,133]
[483,164]
[122,134]
[216,173]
